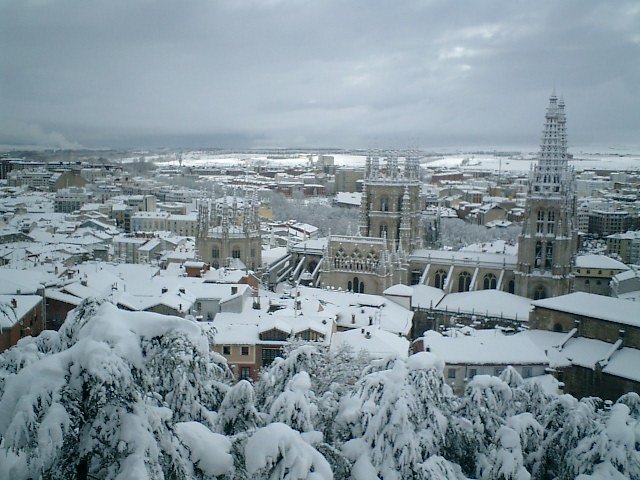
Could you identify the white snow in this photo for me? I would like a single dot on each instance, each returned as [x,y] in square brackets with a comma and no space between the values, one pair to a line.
[278,449]
[495,303]
[209,450]
[594,306]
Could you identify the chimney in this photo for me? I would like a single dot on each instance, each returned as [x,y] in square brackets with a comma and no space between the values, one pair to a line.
[14,303]
[165,289]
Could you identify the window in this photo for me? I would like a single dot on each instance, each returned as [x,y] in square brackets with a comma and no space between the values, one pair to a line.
[440,278]
[269,355]
[384,204]
[464,282]
[253,253]
[540,222]
[550,222]
[244,350]
[539,293]
[215,252]
[415,277]
[384,231]
[512,286]
[235,253]
[245,373]
[526,372]
[451,373]
[538,254]
[490,282]
[473,372]
[226,349]
[548,258]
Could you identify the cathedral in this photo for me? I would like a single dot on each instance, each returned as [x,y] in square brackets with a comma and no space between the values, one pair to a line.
[228,233]
[390,230]
[389,247]
[548,242]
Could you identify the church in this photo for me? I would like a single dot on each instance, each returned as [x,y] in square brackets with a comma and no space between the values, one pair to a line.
[390,246]
[228,233]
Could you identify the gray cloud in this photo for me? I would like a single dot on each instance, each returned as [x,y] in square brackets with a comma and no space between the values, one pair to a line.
[330,73]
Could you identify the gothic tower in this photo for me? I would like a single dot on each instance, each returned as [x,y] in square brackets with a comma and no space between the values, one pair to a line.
[548,242]
[390,229]
[390,205]
[230,233]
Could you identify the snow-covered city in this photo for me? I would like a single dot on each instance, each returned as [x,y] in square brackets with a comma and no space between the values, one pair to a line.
[208,302]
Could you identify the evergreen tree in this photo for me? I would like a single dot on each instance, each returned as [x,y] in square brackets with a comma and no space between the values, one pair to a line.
[238,412]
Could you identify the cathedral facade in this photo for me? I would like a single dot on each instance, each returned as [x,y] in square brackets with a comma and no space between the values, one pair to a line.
[390,228]
[389,247]
[229,233]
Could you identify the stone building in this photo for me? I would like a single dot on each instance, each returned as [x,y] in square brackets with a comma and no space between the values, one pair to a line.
[390,229]
[227,233]
[548,242]
[602,342]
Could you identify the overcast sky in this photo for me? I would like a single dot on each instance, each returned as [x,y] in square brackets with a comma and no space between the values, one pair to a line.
[251,73]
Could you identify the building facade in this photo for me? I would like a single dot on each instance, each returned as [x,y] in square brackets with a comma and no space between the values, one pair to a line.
[548,242]
[390,228]
[227,233]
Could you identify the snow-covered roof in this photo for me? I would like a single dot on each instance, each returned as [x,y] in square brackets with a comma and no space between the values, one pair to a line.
[425,296]
[464,258]
[495,303]
[9,315]
[489,348]
[349,198]
[594,306]
[624,363]
[63,297]
[399,290]
[599,262]
[376,342]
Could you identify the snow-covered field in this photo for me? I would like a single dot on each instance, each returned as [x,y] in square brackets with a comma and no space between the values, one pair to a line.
[517,163]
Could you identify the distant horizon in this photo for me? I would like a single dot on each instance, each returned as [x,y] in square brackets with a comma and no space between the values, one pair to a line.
[450,149]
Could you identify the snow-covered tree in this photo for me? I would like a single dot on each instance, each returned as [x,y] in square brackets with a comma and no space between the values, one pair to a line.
[613,445]
[275,379]
[295,407]
[504,460]
[88,402]
[438,468]
[530,434]
[485,401]
[238,412]
[566,421]
[278,452]
[388,427]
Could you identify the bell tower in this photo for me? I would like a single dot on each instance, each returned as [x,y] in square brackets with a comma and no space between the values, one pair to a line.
[548,242]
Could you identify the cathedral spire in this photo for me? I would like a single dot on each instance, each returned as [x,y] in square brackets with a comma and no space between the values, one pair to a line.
[547,244]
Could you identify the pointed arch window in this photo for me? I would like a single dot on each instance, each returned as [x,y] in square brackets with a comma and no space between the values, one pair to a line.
[548,258]
[384,204]
[540,222]
[384,230]
[490,282]
[539,293]
[440,278]
[464,281]
[512,286]
[538,261]
[551,222]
